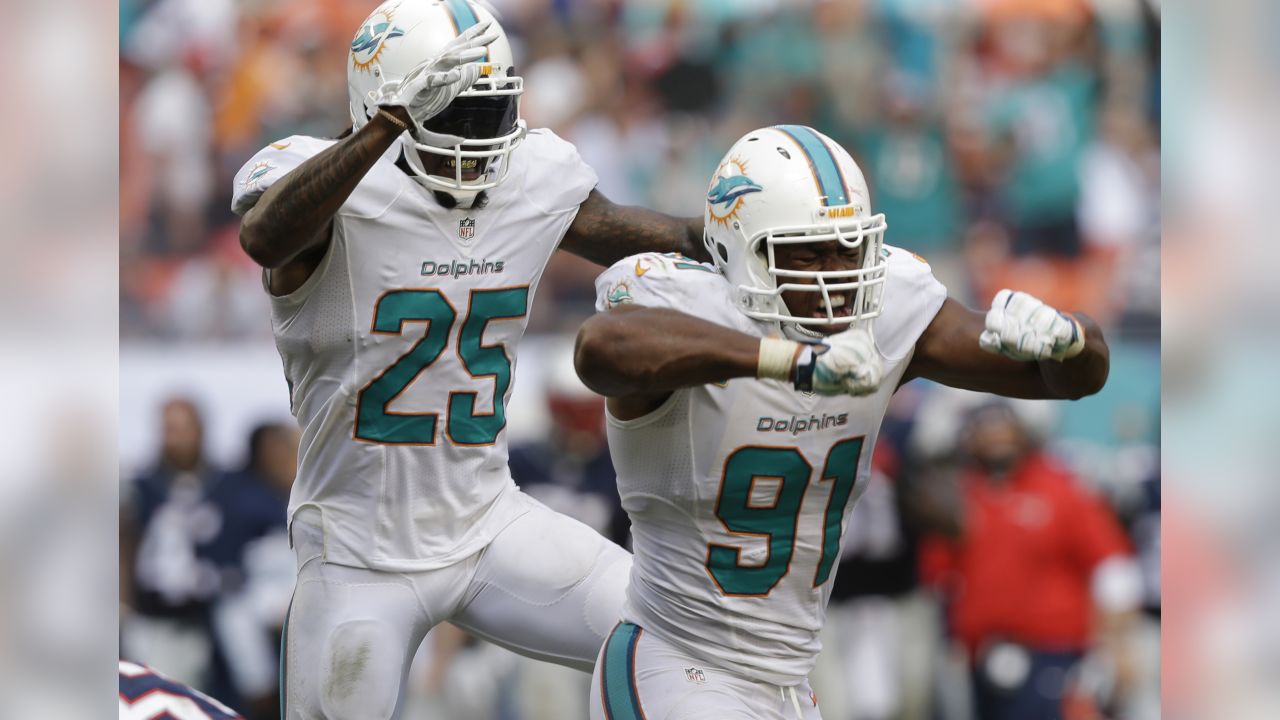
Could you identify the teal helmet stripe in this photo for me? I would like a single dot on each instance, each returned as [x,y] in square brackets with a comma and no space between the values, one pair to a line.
[826,170]
[463,17]
[617,677]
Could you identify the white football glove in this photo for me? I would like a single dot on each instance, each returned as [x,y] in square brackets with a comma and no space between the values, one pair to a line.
[846,363]
[429,88]
[1022,327]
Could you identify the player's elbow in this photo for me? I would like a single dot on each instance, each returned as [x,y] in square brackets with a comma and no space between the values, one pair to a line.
[600,356]
[592,353]
[259,244]
[255,245]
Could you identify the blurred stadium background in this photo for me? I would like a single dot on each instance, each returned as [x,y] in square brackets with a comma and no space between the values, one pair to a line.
[1010,142]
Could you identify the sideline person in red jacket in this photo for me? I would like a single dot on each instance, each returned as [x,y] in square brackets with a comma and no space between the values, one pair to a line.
[1040,575]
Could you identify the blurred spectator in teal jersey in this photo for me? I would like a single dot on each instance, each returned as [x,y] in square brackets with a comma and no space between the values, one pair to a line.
[1040,119]
[910,169]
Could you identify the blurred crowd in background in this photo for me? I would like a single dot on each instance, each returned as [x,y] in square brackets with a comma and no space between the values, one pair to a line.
[1012,143]
[1003,139]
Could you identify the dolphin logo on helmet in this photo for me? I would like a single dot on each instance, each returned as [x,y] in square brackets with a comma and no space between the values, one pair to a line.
[370,41]
[728,186]
[728,189]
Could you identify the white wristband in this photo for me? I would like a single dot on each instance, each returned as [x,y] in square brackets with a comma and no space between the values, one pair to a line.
[777,358]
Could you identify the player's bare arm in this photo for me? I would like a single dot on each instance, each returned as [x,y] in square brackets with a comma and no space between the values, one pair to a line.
[637,356]
[290,224]
[289,227]
[949,353]
[605,232]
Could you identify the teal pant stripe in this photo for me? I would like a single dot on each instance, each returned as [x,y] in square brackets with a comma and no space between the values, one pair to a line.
[825,168]
[284,639]
[618,676]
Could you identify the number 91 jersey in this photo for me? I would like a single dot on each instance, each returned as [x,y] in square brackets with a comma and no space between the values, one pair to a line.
[400,350]
[739,493]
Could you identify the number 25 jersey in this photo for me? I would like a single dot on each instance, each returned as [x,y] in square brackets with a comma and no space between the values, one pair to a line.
[400,350]
[739,493]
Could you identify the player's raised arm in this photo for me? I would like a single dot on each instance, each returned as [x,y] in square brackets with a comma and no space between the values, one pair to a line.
[1020,348]
[604,232]
[289,217]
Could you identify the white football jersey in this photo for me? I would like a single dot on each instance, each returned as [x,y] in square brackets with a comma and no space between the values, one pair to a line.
[739,493]
[400,350]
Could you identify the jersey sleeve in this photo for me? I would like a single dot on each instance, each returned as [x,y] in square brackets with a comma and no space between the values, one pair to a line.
[269,165]
[668,280]
[559,179]
[912,297]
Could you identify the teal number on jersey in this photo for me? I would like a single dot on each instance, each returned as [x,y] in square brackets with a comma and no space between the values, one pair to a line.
[373,420]
[842,467]
[776,521]
[465,426]
[375,423]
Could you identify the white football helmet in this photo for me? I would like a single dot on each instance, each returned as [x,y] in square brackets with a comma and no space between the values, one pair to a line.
[785,185]
[402,34]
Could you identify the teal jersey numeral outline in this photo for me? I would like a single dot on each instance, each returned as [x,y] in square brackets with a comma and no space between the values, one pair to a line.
[842,468]
[466,427]
[779,520]
[376,423]
[776,521]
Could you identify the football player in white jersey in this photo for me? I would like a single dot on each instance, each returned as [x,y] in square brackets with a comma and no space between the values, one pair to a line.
[401,260]
[744,399]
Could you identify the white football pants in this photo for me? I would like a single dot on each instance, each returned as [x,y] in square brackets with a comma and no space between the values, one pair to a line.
[641,677]
[547,586]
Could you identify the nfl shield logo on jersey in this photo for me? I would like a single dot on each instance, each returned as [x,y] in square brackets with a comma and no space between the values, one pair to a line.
[695,675]
[467,228]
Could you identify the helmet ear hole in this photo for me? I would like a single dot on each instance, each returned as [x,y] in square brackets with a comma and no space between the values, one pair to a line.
[723,251]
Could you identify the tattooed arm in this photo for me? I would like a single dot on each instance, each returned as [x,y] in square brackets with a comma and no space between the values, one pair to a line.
[604,233]
[288,229]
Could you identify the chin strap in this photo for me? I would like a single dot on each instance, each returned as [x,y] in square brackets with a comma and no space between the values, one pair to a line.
[800,333]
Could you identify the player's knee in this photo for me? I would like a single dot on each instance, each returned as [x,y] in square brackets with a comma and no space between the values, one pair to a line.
[361,672]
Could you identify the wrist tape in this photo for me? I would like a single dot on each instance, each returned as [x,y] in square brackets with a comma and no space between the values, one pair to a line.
[777,356]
